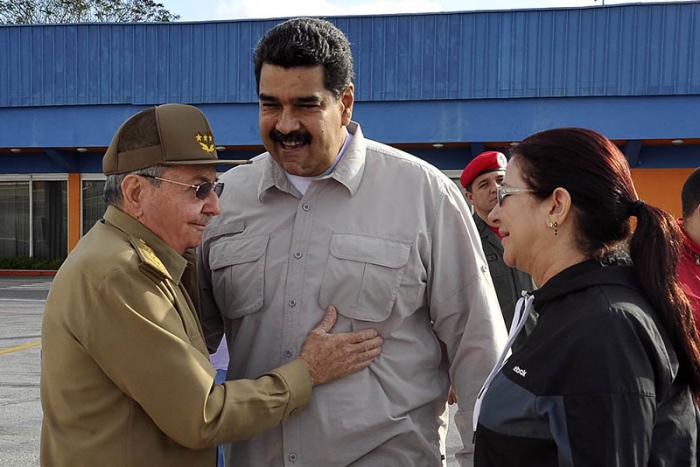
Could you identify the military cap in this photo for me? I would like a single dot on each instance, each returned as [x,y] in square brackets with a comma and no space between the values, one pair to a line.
[489,161]
[184,137]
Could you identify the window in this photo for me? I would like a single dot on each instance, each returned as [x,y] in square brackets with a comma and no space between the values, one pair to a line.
[50,219]
[93,203]
[34,216]
[14,221]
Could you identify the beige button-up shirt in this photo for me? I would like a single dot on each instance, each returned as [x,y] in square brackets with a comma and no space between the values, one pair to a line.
[389,240]
[125,374]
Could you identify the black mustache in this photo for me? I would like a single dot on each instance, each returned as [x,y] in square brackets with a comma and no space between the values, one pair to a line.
[293,137]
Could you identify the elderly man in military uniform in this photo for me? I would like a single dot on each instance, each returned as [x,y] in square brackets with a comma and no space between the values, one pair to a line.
[125,376]
[481,178]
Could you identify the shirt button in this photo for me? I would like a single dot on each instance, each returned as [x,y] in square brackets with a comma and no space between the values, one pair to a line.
[298,254]
[292,303]
[292,457]
[484,268]
[287,354]
[306,207]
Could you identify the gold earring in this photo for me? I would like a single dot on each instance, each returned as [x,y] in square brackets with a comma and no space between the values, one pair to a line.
[554,225]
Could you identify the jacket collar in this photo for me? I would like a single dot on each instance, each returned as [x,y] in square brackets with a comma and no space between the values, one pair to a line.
[348,172]
[173,264]
[583,275]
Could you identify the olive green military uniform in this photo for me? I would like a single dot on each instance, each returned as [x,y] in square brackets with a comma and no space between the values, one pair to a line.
[126,379]
[508,282]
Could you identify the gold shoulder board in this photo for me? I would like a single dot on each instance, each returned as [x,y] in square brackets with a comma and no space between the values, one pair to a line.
[148,256]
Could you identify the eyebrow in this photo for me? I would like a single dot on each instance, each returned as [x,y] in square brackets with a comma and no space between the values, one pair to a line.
[312,99]
[265,97]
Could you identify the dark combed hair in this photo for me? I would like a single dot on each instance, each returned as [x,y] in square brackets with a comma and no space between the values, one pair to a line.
[597,176]
[308,42]
[690,195]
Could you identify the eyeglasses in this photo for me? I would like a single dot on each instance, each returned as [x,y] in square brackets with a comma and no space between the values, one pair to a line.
[504,191]
[201,191]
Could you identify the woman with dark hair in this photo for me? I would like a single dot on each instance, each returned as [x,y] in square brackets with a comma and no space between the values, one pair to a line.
[608,374]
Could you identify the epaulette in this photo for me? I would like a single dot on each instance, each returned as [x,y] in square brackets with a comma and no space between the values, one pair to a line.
[148,257]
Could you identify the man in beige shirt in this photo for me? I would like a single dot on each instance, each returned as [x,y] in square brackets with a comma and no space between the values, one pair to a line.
[329,217]
[125,374]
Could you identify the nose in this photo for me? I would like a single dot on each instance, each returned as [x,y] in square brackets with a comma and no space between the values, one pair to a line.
[287,122]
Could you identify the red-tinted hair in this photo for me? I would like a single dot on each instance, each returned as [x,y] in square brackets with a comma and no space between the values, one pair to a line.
[597,176]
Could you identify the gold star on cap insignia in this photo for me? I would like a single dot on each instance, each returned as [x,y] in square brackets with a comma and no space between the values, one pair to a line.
[206,147]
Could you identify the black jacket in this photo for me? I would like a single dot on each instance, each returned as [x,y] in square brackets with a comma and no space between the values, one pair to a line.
[596,384]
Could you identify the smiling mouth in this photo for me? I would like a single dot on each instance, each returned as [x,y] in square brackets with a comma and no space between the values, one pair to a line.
[291,145]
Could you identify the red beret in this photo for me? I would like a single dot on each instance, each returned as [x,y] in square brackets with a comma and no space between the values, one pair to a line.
[488,161]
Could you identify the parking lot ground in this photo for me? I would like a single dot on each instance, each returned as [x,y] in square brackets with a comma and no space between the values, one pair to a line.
[22,302]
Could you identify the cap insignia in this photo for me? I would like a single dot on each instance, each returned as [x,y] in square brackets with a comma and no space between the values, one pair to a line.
[206,141]
[502,161]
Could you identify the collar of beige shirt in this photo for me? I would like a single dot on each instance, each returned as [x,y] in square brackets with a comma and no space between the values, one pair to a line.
[348,172]
[173,262]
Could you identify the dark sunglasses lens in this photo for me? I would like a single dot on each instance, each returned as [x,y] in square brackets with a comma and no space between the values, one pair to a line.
[203,190]
[219,188]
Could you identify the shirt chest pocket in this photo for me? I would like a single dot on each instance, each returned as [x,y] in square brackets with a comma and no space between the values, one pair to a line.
[363,276]
[238,274]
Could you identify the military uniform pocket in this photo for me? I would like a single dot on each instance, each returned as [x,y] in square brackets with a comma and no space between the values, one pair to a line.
[363,276]
[238,274]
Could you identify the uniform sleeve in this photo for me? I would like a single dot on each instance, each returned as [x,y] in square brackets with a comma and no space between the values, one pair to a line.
[138,339]
[464,307]
[209,314]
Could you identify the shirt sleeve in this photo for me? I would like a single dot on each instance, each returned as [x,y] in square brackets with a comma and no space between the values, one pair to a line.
[138,339]
[464,307]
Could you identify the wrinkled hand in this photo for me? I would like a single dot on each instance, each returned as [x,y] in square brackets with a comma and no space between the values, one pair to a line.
[332,356]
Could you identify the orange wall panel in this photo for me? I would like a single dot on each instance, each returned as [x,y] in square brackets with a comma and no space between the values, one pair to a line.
[661,187]
[73,210]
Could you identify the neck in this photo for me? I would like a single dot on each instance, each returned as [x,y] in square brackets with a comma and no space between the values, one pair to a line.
[556,258]
[692,228]
[484,216]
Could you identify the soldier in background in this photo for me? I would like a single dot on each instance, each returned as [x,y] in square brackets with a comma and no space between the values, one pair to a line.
[480,178]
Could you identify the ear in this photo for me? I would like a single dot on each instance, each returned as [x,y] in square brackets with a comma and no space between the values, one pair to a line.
[469,196]
[133,189]
[560,205]
[347,100]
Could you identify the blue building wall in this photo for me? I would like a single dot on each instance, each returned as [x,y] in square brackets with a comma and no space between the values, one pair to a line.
[631,72]
[637,50]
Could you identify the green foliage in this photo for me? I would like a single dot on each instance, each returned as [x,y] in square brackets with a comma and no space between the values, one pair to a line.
[83,11]
[29,263]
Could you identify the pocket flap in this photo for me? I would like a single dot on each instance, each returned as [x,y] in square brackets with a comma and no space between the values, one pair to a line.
[231,251]
[379,251]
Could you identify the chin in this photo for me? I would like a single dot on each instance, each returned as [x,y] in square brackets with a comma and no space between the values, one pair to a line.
[508,259]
